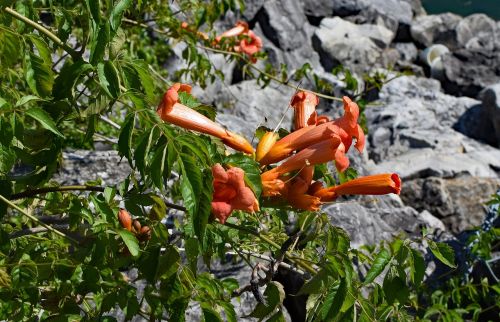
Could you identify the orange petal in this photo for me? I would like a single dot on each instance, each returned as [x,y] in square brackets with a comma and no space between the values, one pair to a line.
[379,184]
[304,104]
[251,46]
[303,138]
[274,187]
[322,152]
[349,123]
[221,210]
[240,28]
[266,143]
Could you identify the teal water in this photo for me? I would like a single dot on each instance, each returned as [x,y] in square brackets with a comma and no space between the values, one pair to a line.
[464,7]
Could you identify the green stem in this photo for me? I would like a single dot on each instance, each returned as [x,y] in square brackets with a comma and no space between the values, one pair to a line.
[22,211]
[43,30]
[34,192]
[269,241]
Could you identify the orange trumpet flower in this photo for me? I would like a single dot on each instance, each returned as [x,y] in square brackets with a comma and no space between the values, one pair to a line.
[298,198]
[349,122]
[240,28]
[231,193]
[305,114]
[170,110]
[303,138]
[324,151]
[379,184]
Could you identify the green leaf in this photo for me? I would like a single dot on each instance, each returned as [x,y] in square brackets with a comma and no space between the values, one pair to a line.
[44,119]
[395,288]
[125,138]
[443,252]
[147,81]
[274,295]
[108,78]
[251,169]
[158,166]
[316,284]
[338,240]
[26,99]
[99,42]
[7,160]
[39,75]
[379,263]
[117,13]
[68,76]
[334,300]
[210,315]
[130,241]
[418,268]
[188,100]
[94,7]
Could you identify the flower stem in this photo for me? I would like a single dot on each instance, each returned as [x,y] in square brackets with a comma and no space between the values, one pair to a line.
[22,211]
[74,54]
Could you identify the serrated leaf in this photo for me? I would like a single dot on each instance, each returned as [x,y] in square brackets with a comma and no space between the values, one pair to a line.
[418,268]
[130,241]
[200,220]
[274,295]
[443,252]
[334,300]
[44,119]
[39,75]
[117,13]
[147,81]
[68,76]
[338,240]
[395,288]
[210,315]
[229,311]
[108,78]
[7,160]
[125,138]
[158,166]
[379,263]
[99,43]
[251,169]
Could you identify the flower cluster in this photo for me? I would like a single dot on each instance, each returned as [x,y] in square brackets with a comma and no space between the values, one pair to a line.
[315,140]
[247,42]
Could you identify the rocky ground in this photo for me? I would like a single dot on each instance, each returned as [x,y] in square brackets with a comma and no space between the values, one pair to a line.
[441,135]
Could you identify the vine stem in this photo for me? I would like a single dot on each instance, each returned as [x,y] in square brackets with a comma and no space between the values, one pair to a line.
[34,192]
[43,30]
[25,213]
[271,242]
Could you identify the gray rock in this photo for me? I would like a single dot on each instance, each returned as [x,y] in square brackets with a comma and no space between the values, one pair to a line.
[251,8]
[467,72]
[458,202]
[246,106]
[407,51]
[80,166]
[411,133]
[478,32]
[477,123]
[283,22]
[436,29]
[490,97]
[371,219]
[359,47]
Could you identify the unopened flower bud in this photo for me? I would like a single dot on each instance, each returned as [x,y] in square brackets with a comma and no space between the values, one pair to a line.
[125,219]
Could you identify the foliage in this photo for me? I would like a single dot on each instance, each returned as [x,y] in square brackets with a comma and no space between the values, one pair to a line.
[76,73]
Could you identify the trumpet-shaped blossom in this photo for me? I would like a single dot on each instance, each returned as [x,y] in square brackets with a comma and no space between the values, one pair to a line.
[240,28]
[324,151]
[250,43]
[349,123]
[304,104]
[265,144]
[379,184]
[170,110]
[344,128]
[231,193]
[298,198]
